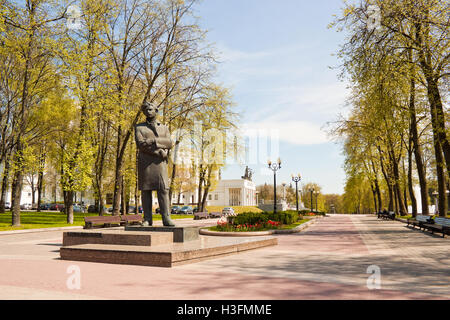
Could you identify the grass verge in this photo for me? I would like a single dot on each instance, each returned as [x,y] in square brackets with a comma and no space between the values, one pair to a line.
[37,220]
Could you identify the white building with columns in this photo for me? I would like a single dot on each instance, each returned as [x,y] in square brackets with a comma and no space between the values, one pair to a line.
[237,192]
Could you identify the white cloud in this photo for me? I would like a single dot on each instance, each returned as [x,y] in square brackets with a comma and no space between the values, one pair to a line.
[308,101]
[293,132]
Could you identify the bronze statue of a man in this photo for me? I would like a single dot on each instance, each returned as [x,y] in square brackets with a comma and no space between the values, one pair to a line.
[153,142]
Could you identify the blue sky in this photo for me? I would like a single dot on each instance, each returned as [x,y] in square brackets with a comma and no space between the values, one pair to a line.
[275,58]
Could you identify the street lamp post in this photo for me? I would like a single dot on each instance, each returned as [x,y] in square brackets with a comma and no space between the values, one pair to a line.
[311,190]
[317,195]
[274,167]
[296,179]
[435,194]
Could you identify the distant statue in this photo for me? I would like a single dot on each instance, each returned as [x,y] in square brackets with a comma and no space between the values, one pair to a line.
[247,174]
[153,142]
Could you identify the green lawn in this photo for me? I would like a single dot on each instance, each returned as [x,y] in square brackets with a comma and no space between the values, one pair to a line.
[292,226]
[404,217]
[36,220]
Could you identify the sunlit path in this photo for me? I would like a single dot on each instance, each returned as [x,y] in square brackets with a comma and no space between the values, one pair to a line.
[328,260]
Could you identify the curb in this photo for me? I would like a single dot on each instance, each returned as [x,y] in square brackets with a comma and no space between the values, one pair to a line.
[256,233]
[39,230]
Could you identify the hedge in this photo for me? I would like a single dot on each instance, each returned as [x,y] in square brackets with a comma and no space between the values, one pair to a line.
[285,217]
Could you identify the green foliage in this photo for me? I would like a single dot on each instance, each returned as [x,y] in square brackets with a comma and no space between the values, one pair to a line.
[285,217]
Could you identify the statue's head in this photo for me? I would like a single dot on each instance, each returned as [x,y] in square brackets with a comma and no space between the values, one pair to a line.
[149,110]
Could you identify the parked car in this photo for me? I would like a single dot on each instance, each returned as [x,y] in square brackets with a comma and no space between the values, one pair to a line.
[76,208]
[131,209]
[215,215]
[228,211]
[175,209]
[26,206]
[196,210]
[7,205]
[186,210]
[79,208]
[110,209]
[56,206]
[45,206]
[93,208]
[158,210]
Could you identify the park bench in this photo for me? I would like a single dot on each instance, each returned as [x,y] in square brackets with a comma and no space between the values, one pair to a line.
[387,215]
[131,219]
[440,225]
[420,221]
[215,215]
[107,221]
[201,215]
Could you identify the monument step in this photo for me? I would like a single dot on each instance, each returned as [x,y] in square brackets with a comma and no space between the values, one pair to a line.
[116,237]
[180,234]
[168,255]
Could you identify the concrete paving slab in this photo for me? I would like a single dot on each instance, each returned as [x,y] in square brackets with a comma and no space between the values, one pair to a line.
[328,260]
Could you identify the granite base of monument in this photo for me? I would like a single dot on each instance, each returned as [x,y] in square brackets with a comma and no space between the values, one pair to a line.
[116,237]
[165,255]
[180,234]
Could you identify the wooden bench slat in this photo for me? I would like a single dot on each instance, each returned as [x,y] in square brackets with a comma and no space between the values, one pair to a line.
[101,220]
[442,221]
[438,224]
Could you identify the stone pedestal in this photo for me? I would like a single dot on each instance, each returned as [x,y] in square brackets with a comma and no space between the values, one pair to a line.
[116,237]
[168,255]
[180,234]
[153,246]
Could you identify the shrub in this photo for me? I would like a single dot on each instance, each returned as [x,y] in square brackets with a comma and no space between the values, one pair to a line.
[248,218]
[285,217]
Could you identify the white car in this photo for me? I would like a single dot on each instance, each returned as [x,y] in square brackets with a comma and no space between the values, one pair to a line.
[26,206]
[228,211]
[7,205]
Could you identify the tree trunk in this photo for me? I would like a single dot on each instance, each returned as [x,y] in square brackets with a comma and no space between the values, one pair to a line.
[16,194]
[417,150]
[201,180]
[206,191]
[434,97]
[377,186]
[68,205]
[4,185]
[33,189]
[442,200]
[122,196]
[39,190]
[388,183]
[374,194]
[405,185]
[117,187]
[410,183]
[399,202]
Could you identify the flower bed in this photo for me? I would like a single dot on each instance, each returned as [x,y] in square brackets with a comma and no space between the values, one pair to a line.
[255,222]
[225,226]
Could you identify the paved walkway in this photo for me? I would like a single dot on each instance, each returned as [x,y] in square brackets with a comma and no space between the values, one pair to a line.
[328,260]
